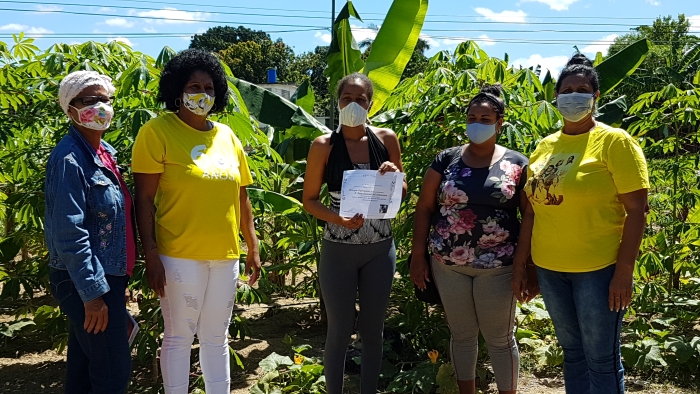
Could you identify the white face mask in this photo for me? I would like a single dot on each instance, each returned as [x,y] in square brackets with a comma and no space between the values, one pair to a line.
[96,117]
[479,133]
[353,115]
[198,103]
[575,106]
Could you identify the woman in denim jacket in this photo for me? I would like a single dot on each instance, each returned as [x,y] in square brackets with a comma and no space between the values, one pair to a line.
[90,238]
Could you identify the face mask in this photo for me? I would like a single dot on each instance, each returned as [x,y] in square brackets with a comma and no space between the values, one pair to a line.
[198,103]
[479,133]
[575,106]
[353,115]
[96,117]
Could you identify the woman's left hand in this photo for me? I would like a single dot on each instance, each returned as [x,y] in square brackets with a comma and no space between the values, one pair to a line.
[620,292]
[252,267]
[388,166]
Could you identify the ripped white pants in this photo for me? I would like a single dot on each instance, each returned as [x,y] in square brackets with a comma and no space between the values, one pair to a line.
[199,298]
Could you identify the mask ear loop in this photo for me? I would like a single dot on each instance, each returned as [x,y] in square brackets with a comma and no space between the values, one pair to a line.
[73,119]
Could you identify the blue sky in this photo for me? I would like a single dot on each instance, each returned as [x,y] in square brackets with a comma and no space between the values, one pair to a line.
[531,32]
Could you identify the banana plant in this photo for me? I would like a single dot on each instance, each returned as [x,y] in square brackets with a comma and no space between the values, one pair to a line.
[390,53]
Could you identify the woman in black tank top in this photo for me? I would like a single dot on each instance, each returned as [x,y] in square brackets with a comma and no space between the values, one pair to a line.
[357,254]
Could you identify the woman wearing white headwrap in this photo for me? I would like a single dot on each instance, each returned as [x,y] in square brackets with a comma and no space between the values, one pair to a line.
[90,237]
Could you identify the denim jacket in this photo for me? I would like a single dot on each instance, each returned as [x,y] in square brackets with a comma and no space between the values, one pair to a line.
[85,218]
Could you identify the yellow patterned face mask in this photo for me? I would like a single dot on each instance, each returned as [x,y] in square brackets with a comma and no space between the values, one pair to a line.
[198,103]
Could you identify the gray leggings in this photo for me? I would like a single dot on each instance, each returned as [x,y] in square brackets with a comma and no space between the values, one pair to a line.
[480,300]
[344,269]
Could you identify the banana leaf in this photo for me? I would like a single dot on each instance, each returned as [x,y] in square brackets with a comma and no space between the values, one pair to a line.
[344,56]
[613,112]
[277,111]
[393,47]
[621,65]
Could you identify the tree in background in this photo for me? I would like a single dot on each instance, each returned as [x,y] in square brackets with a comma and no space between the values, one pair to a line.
[221,37]
[250,60]
[249,53]
[670,60]
[310,65]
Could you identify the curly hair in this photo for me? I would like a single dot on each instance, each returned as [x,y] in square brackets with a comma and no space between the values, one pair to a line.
[352,77]
[490,94]
[179,69]
[579,64]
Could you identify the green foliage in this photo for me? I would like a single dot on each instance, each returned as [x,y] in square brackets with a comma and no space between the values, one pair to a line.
[672,58]
[621,65]
[250,60]
[344,56]
[388,58]
[221,37]
[296,374]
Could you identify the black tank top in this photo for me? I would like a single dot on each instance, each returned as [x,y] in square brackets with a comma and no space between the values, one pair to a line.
[373,230]
[339,158]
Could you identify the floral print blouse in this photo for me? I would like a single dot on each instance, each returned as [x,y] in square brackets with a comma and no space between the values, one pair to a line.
[476,223]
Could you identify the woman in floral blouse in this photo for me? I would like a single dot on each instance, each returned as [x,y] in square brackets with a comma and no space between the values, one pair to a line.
[470,198]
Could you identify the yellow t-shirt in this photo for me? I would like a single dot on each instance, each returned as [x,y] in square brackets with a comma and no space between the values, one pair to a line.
[198,198]
[573,184]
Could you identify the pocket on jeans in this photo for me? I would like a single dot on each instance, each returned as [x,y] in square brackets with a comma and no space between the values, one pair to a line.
[61,287]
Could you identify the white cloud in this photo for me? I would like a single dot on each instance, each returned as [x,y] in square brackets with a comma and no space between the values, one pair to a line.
[503,16]
[106,9]
[37,32]
[118,22]
[362,33]
[325,37]
[150,30]
[124,40]
[48,8]
[654,2]
[558,5]
[430,40]
[553,63]
[601,45]
[14,26]
[174,16]
[32,31]
[485,41]
[694,23]
[453,41]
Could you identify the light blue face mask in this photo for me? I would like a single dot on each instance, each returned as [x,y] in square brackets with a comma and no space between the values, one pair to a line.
[575,106]
[479,133]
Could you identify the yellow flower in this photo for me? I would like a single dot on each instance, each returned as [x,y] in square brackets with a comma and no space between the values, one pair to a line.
[298,359]
[433,356]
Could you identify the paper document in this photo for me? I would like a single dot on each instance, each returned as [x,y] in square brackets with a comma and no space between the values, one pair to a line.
[371,194]
[132,328]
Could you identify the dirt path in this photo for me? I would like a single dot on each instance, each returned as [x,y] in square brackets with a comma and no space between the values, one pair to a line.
[28,365]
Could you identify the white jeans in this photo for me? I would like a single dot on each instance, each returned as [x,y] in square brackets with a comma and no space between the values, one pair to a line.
[199,298]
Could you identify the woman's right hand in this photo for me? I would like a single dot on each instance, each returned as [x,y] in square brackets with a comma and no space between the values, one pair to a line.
[519,282]
[354,222]
[155,273]
[420,272]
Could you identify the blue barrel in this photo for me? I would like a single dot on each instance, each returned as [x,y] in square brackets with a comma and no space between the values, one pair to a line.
[272,75]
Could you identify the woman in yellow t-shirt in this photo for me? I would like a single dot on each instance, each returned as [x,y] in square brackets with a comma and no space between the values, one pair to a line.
[585,237]
[191,203]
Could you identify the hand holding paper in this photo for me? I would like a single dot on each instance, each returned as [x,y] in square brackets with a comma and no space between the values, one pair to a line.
[371,194]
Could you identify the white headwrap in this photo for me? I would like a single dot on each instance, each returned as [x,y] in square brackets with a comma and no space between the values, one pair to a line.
[75,82]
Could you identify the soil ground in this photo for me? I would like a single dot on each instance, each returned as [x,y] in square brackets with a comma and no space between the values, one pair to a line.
[29,365]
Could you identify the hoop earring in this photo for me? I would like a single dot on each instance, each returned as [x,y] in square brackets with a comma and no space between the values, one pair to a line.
[213,108]
[178,102]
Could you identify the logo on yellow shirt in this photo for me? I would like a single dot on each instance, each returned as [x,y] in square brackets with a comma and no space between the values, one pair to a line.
[214,165]
[546,186]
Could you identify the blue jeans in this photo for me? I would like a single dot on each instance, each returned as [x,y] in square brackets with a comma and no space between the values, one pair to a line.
[586,329]
[97,363]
